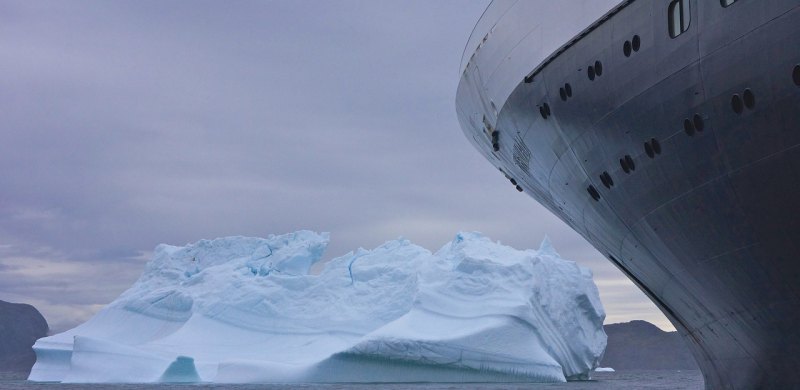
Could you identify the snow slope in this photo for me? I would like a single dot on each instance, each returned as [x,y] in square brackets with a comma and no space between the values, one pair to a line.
[241,309]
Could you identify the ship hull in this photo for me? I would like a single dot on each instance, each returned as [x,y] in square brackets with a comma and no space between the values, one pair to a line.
[679,161]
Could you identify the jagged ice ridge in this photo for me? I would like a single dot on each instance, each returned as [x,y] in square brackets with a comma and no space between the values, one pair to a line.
[242,309]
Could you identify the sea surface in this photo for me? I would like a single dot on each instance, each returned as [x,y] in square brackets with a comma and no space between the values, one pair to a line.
[628,380]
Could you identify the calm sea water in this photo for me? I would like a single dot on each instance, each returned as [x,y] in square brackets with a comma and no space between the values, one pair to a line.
[627,380]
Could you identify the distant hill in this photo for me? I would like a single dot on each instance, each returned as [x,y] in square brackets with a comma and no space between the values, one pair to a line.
[20,326]
[640,345]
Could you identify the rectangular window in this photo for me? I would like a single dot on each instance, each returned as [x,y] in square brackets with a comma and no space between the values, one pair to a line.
[680,16]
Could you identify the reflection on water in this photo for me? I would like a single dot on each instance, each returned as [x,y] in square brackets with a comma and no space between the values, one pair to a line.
[628,380]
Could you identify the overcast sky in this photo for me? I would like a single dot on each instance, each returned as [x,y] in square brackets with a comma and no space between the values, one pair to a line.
[129,124]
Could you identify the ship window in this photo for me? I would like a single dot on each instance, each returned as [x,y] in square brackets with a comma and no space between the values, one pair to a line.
[749,98]
[630,162]
[736,104]
[688,127]
[593,192]
[568,89]
[562,93]
[698,122]
[626,48]
[679,17]
[656,145]
[598,68]
[726,3]
[636,43]
[624,165]
[796,75]
[649,150]
[590,72]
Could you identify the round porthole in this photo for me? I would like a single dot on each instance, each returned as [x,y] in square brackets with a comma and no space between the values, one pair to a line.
[590,72]
[593,192]
[656,145]
[598,68]
[796,75]
[624,165]
[737,104]
[626,48]
[697,120]
[749,98]
[629,161]
[562,93]
[649,150]
[688,127]
[637,43]
[568,89]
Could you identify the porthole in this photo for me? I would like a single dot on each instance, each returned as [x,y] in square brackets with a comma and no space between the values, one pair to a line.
[649,150]
[688,127]
[626,48]
[749,98]
[636,43]
[656,145]
[542,112]
[624,165]
[568,89]
[629,161]
[513,182]
[598,68]
[593,192]
[519,188]
[607,180]
[796,75]
[562,93]
[697,120]
[590,72]
[546,109]
[736,104]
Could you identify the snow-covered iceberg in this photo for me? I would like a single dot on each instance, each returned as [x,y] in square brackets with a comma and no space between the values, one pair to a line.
[242,309]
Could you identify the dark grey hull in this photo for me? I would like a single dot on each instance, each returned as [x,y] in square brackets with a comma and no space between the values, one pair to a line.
[706,220]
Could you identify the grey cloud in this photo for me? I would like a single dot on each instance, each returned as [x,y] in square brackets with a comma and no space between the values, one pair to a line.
[128,124]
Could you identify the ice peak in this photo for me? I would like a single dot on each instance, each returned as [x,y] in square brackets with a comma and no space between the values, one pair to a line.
[546,247]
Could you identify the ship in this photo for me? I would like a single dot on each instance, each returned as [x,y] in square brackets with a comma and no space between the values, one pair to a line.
[667,134]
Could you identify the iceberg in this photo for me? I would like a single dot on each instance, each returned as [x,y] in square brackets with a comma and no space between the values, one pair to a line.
[248,310]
